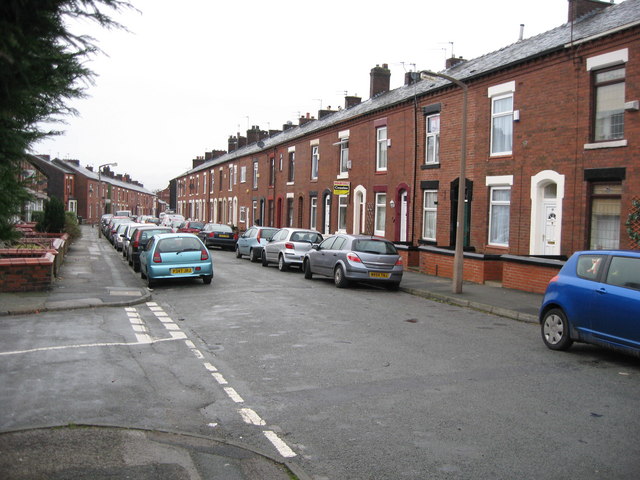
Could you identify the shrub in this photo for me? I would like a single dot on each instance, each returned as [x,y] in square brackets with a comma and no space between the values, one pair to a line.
[53,219]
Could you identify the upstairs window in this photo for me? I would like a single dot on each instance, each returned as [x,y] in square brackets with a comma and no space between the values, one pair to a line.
[608,114]
[315,158]
[432,155]
[344,156]
[381,150]
[502,118]
[292,167]
[255,174]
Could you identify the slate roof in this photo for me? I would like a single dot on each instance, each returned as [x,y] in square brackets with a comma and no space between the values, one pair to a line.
[615,17]
[94,176]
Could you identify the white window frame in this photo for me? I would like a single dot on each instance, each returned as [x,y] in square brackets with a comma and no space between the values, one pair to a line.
[381,148]
[255,174]
[243,174]
[343,206]
[497,93]
[501,182]
[380,217]
[343,163]
[313,202]
[315,161]
[429,210]
[434,158]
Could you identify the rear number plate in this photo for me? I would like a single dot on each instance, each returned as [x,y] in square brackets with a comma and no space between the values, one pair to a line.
[175,271]
[378,275]
[223,236]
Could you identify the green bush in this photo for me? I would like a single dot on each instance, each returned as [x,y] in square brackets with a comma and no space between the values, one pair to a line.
[71,225]
[54,218]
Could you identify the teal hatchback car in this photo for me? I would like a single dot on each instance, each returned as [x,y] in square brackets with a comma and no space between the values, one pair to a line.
[173,256]
[595,298]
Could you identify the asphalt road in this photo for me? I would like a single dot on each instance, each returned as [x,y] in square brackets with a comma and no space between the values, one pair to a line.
[358,383]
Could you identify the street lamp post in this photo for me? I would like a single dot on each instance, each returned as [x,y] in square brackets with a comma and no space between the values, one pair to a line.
[101,193]
[458,259]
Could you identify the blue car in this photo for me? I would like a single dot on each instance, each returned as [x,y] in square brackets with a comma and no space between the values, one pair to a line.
[595,298]
[250,243]
[175,255]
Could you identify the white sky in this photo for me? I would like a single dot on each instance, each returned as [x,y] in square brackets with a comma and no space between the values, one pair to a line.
[194,72]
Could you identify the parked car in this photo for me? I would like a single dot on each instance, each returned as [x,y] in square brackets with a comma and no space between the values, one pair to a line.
[288,246]
[595,298]
[112,226]
[251,242]
[168,219]
[355,258]
[218,235]
[126,235]
[175,255]
[118,236]
[139,239]
[190,227]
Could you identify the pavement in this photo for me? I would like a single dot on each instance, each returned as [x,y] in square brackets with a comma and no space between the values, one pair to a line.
[97,452]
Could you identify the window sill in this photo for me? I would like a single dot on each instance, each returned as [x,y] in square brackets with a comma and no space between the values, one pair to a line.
[342,176]
[291,183]
[381,172]
[500,156]
[611,144]
[429,166]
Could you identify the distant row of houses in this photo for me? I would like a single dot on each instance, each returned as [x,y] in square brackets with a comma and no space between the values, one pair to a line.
[84,191]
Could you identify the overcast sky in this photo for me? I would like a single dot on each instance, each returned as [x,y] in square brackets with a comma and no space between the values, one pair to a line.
[191,73]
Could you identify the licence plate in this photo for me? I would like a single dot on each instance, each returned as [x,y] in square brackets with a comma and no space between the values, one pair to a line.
[223,236]
[175,271]
[378,275]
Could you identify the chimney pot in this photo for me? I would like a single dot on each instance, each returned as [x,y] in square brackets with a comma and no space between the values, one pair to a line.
[380,80]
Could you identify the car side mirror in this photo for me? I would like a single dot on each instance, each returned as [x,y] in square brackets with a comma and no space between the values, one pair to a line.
[316,246]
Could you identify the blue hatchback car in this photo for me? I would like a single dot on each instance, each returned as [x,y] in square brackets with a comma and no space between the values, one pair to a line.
[595,298]
[175,255]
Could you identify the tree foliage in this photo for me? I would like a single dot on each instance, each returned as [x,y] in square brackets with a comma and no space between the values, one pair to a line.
[42,68]
[53,220]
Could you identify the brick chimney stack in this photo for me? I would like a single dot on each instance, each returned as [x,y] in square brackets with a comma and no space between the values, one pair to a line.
[380,80]
[351,101]
[453,61]
[306,119]
[579,8]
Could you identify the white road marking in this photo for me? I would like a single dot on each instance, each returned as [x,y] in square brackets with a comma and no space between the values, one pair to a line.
[210,367]
[219,378]
[281,446]
[178,335]
[90,345]
[233,395]
[251,417]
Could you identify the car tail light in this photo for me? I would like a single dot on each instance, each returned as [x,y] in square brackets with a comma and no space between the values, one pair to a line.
[554,279]
[235,236]
[353,257]
[399,262]
[259,236]
[135,244]
[289,245]
[204,255]
[211,234]
[156,257]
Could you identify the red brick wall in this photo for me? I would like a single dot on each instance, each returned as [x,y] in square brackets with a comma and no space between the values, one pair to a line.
[26,273]
[475,270]
[530,278]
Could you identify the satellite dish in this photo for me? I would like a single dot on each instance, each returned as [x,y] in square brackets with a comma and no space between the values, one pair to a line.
[260,143]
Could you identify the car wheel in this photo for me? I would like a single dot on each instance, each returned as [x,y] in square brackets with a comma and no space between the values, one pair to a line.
[306,268]
[282,266]
[238,254]
[555,330]
[264,259]
[150,282]
[136,267]
[207,279]
[142,274]
[253,255]
[338,277]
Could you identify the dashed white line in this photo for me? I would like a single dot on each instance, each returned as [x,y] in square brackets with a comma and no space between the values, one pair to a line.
[251,417]
[219,378]
[281,446]
[233,395]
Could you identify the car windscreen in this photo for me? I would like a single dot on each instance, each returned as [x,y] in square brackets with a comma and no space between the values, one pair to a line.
[178,244]
[198,225]
[309,237]
[374,246]
[220,228]
[146,234]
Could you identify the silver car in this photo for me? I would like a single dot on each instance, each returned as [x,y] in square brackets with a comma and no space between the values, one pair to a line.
[288,246]
[357,258]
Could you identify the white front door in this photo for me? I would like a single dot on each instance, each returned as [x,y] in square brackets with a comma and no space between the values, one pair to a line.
[549,235]
[327,214]
[403,216]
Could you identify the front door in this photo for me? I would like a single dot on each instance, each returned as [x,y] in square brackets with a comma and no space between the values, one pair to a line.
[403,216]
[549,236]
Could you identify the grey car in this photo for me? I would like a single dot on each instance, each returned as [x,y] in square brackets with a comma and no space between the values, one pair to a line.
[355,258]
[253,240]
[288,246]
